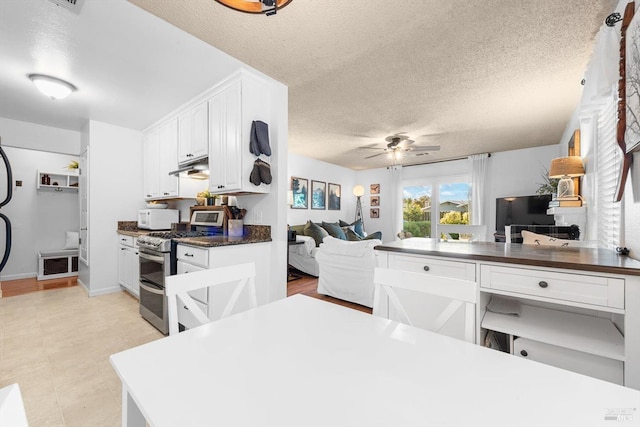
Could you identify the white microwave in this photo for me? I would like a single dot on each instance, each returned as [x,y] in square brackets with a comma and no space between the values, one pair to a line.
[157,219]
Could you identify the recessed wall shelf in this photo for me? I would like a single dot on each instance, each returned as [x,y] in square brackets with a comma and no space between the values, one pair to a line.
[57,181]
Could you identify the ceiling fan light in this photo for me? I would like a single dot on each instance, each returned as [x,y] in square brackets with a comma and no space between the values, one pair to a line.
[52,87]
[267,7]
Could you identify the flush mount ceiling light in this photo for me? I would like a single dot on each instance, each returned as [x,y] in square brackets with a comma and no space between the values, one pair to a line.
[52,87]
[268,7]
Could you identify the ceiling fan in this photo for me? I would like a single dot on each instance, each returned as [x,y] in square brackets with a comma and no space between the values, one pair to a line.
[399,145]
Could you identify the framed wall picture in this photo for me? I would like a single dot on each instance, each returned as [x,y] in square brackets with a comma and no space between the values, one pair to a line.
[374,189]
[300,187]
[375,201]
[333,199]
[318,194]
[375,213]
[632,64]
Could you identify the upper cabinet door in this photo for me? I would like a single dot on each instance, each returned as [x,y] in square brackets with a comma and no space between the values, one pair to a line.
[151,143]
[168,155]
[225,116]
[193,137]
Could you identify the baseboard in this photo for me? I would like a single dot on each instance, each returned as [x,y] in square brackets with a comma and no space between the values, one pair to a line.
[7,278]
[98,292]
[83,287]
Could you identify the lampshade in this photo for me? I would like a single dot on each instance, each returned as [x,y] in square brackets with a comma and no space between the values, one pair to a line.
[52,87]
[268,7]
[566,166]
[358,190]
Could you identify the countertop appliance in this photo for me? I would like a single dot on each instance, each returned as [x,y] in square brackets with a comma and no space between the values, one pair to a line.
[5,201]
[157,252]
[157,219]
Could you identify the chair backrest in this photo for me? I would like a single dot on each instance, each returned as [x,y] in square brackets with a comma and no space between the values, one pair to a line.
[177,289]
[11,407]
[457,294]
[470,233]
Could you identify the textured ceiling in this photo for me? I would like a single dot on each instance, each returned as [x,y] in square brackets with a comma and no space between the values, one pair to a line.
[479,76]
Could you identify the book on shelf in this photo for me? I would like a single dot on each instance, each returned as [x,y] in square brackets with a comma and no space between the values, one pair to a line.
[565,203]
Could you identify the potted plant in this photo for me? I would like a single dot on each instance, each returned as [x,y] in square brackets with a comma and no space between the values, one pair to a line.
[73,166]
[209,199]
[549,185]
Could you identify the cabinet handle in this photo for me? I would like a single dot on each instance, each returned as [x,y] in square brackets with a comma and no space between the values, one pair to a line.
[122,249]
[543,284]
[425,268]
[524,353]
[189,255]
[186,308]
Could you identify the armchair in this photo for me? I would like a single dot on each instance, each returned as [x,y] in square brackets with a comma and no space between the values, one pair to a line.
[346,269]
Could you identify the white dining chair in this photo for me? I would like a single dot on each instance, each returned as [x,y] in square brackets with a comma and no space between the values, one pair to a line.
[11,407]
[449,298]
[180,304]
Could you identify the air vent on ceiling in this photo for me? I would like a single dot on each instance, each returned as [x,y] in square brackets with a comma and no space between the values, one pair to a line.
[72,5]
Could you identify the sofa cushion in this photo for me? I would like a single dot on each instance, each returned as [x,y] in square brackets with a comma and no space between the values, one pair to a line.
[314,230]
[377,235]
[352,236]
[358,227]
[334,230]
[299,229]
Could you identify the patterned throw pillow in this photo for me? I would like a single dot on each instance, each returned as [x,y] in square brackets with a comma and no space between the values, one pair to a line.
[529,238]
[358,227]
[314,230]
[334,230]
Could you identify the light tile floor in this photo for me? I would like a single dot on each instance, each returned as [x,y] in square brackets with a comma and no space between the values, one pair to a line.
[56,345]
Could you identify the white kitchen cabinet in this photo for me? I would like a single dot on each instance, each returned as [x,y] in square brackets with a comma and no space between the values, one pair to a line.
[196,258]
[151,159]
[232,109]
[193,134]
[128,264]
[168,159]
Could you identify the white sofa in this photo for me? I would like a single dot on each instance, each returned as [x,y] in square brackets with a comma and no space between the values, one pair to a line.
[303,256]
[346,269]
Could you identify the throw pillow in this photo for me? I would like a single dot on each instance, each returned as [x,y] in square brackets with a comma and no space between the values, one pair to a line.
[299,229]
[376,235]
[334,230]
[358,227]
[314,230]
[352,236]
[529,238]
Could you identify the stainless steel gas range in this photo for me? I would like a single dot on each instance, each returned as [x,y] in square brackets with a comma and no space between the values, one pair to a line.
[157,253]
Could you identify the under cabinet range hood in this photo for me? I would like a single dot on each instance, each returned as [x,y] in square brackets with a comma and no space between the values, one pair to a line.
[199,169]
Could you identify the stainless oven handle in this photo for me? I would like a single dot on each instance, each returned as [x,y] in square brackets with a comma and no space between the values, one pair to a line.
[152,290]
[154,258]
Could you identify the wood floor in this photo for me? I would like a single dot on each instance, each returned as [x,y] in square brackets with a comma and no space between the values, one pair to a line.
[12,288]
[308,285]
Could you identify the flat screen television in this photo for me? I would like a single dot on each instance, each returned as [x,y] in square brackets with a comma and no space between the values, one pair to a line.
[523,210]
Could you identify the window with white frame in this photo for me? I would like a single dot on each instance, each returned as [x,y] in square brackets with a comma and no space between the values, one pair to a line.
[429,202]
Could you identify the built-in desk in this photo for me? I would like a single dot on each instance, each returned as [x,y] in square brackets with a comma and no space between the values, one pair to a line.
[580,306]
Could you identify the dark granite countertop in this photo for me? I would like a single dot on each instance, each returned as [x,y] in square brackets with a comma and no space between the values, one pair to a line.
[214,241]
[585,259]
[134,233]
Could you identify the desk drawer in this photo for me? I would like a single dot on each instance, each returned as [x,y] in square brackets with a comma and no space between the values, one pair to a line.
[571,360]
[193,255]
[433,267]
[595,290]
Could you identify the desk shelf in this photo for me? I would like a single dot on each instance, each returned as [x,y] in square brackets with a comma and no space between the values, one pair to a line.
[574,331]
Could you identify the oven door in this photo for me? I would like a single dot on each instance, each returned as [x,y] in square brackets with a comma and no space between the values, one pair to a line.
[153,302]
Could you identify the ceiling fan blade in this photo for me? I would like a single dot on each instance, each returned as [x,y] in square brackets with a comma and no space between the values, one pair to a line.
[371,148]
[426,148]
[375,155]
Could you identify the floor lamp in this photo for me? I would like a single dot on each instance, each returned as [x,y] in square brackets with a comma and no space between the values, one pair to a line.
[358,191]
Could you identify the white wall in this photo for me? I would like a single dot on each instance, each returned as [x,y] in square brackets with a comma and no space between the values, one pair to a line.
[39,218]
[16,133]
[384,222]
[115,194]
[311,169]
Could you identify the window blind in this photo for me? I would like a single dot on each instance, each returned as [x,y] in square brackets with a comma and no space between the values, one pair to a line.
[608,163]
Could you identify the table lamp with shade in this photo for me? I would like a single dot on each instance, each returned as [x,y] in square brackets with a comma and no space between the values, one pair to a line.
[566,168]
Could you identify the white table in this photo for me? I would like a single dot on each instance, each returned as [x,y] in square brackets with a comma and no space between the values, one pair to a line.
[304,362]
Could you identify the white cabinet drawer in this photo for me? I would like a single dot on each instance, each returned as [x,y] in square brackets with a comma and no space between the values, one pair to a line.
[126,240]
[198,256]
[594,290]
[186,318]
[199,294]
[433,266]
[571,360]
